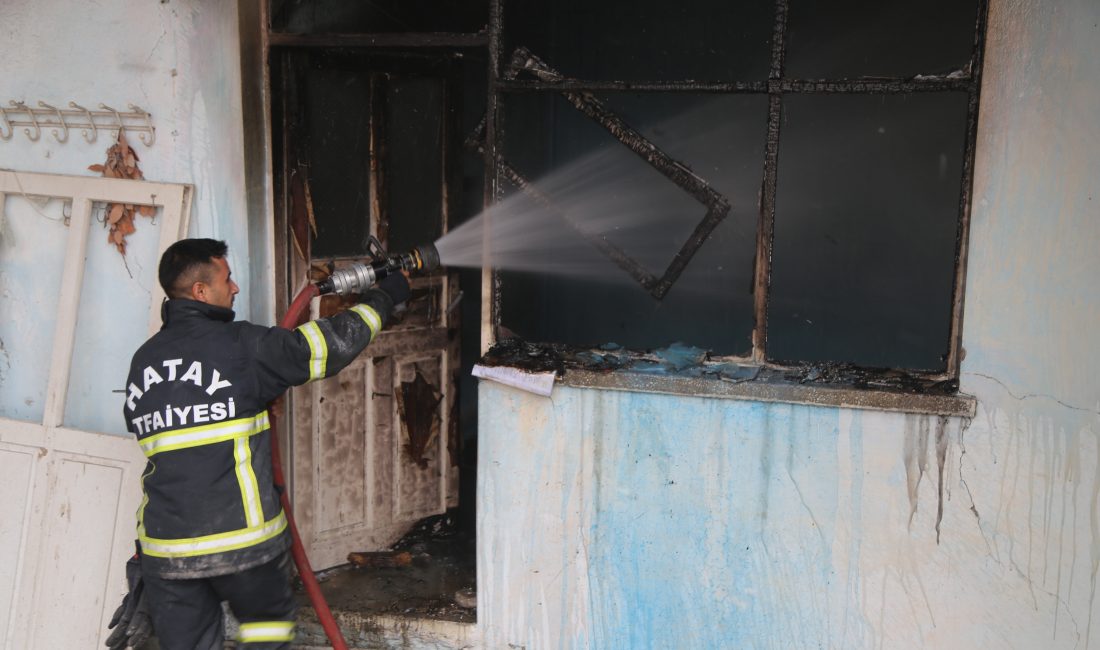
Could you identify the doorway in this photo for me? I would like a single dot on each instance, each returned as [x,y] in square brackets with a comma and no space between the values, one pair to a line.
[367,143]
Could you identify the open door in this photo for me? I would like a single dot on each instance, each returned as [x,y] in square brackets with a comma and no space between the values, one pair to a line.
[367,148]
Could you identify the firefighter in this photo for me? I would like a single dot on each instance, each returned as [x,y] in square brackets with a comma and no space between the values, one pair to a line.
[210,525]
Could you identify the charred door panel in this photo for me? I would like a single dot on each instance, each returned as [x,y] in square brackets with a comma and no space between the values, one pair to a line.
[417,458]
[367,473]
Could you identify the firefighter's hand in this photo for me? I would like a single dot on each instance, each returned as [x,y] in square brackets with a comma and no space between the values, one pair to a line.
[396,285]
[131,623]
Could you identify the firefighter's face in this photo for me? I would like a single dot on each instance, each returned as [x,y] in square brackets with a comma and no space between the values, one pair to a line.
[221,288]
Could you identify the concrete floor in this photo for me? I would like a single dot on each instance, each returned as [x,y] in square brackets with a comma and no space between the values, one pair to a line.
[403,607]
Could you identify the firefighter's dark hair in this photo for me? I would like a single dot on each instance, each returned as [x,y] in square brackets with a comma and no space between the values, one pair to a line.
[186,262]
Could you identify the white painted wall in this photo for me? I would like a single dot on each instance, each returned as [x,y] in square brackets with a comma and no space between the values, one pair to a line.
[1032,308]
[637,520]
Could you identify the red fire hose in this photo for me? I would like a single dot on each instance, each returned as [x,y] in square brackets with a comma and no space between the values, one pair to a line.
[293,317]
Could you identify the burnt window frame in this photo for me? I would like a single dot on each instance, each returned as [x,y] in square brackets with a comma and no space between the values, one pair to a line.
[777,85]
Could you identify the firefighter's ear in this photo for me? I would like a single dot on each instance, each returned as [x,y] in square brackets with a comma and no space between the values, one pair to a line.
[199,291]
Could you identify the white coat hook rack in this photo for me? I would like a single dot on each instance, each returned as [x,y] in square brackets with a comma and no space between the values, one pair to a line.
[61,120]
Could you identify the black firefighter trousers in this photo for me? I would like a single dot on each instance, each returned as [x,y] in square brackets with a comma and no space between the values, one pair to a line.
[187,614]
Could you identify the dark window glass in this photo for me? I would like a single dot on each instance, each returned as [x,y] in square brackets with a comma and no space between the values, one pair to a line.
[378,16]
[871,38]
[413,168]
[867,211]
[337,96]
[645,39]
[574,294]
[336,93]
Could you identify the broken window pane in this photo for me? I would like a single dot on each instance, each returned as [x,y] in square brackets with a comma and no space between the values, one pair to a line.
[867,211]
[872,38]
[889,206]
[597,187]
[646,39]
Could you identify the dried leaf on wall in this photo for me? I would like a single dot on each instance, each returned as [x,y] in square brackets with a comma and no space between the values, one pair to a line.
[122,162]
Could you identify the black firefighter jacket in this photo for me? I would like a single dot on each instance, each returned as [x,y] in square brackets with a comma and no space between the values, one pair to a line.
[196,399]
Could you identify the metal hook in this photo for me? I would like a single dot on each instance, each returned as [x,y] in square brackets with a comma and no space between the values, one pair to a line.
[60,118]
[91,121]
[34,120]
[118,118]
[4,119]
[148,125]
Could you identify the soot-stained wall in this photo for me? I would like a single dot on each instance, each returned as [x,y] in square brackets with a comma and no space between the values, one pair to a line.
[855,184]
[615,519]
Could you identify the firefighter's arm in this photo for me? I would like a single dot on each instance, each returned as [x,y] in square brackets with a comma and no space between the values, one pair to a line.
[325,346]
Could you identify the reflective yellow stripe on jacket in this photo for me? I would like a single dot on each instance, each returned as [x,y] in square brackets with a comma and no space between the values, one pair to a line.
[205,434]
[370,317]
[318,349]
[208,544]
[266,632]
[257,530]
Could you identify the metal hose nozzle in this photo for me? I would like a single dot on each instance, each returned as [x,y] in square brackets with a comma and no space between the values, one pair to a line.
[422,259]
[357,278]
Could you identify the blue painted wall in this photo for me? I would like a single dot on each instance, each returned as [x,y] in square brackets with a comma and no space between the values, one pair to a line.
[631,520]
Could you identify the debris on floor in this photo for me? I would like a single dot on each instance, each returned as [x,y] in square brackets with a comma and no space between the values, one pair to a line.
[418,577]
[381,559]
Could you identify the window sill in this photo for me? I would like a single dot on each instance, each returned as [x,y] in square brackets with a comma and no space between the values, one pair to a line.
[681,370]
[775,391]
